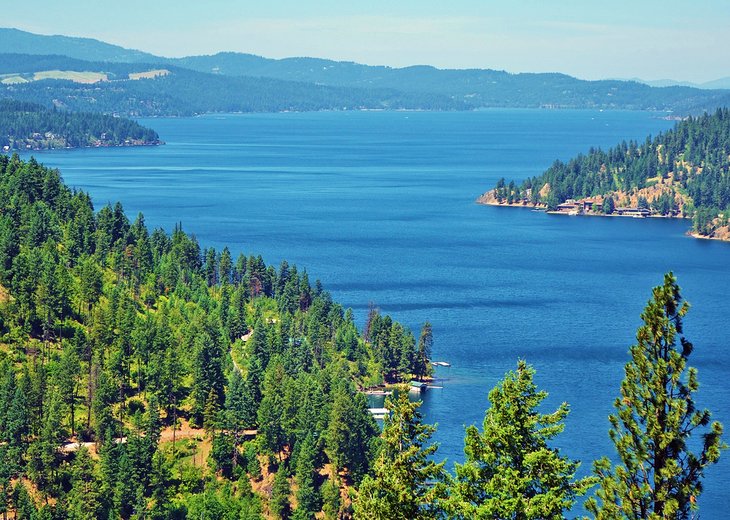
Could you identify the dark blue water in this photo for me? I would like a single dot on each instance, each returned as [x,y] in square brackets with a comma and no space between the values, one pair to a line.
[380,206]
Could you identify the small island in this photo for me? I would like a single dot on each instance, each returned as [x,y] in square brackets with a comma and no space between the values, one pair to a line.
[27,126]
[682,173]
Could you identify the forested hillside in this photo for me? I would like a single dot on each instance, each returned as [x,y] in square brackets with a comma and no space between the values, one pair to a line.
[475,88]
[684,171]
[30,126]
[114,88]
[81,48]
[231,81]
[145,377]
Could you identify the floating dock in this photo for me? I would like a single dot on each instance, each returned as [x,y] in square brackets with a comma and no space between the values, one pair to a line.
[379,413]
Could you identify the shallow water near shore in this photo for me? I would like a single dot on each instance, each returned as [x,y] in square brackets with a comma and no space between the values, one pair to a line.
[380,207]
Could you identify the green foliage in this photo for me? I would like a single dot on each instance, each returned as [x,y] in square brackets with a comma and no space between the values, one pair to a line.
[659,476]
[510,470]
[407,484]
[84,500]
[279,503]
[114,333]
[332,501]
[220,502]
[351,436]
[308,498]
[29,125]
[696,152]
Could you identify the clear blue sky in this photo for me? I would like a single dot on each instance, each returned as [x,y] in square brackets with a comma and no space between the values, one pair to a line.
[592,39]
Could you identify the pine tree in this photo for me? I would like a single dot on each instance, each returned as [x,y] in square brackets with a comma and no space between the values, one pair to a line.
[423,353]
[406,484]
[308,497]
[280,494]
[67,379]
[658,476]
[351,434]
[510,471]
[83,501]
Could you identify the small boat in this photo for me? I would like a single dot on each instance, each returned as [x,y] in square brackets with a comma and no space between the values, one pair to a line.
[440,364]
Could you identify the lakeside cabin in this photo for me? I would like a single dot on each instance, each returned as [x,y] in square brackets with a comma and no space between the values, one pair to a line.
[575,207]
[633,212]
[417,386]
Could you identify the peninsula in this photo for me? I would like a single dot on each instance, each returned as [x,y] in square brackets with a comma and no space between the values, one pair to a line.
[681,173]
[28,126]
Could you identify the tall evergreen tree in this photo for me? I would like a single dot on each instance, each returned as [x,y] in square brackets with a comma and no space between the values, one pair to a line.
[659,476]
[308,497]
[510,471]
[422,363]
[407,484]
[279,504]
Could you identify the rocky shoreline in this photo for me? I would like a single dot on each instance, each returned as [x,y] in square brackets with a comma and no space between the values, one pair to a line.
[721,234]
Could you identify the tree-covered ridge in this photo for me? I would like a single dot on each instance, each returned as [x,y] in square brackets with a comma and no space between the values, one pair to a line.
[137,342]
[184,92]
[30,126]
[236,82]
[685,170]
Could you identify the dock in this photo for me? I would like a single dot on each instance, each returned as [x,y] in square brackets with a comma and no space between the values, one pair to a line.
[379,413]
[378,392]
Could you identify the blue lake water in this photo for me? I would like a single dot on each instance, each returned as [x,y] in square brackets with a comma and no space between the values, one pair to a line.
[380,206]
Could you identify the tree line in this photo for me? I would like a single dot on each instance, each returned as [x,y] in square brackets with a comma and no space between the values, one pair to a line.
[27,125]
[185,92]
[692,160]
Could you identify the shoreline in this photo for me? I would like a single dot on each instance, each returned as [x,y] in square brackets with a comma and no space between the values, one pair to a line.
[534,207]
[54,148]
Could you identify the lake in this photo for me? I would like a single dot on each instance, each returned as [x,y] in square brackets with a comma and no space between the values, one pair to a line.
[380,207]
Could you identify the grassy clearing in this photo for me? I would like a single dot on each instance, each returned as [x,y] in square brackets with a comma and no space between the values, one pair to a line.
[72,75]
[4,294]
[150,74]
[11,79]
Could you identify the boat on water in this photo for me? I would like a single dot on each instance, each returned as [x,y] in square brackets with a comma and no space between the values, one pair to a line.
[440,364]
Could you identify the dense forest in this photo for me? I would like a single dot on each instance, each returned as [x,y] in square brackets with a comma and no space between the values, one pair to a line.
[476,88]
[164,361]
[29,126]
[145,377]
[183,92]
[685,170]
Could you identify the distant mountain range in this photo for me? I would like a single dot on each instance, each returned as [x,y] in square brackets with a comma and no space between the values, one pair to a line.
[721,83]
[87,74]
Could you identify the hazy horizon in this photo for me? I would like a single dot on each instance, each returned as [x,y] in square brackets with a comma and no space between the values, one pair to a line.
[650,40]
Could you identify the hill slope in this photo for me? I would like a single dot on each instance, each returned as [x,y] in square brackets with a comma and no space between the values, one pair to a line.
[22,42]
[123,89]
[476,88]
[684,171]
[352,85]
[132,338]
[30,126]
